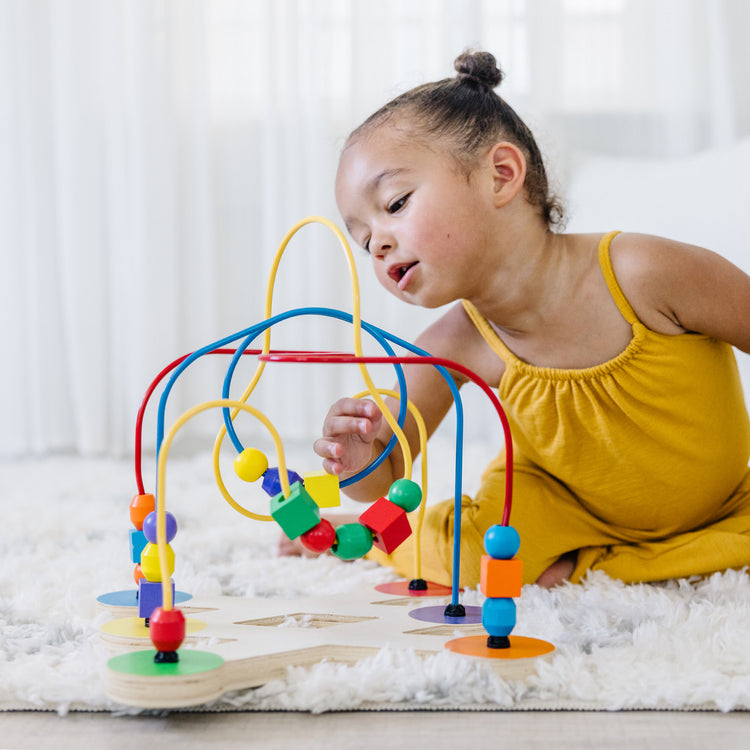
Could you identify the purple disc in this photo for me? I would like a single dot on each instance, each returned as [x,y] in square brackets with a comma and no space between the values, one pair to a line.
[437,614]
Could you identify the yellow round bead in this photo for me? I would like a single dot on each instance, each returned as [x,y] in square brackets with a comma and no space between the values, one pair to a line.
[250,465]
[150,566]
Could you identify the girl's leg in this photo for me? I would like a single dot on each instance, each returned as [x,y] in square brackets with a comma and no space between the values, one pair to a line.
[551,522]
[717,546]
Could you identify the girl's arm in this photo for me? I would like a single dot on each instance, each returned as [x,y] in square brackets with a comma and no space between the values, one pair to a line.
[354,431]
[676,288]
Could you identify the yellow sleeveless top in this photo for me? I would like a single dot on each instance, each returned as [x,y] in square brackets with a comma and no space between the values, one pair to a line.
[653,440]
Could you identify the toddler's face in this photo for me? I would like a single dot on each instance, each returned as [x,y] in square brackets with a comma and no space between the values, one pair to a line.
[415,212]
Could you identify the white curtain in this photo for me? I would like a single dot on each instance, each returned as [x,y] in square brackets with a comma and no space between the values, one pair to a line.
[154,152]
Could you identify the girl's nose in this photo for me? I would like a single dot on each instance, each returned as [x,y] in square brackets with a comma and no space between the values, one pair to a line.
[381,244]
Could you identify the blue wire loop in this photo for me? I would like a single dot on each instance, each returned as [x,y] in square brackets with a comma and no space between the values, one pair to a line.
[377,334]
[382,337]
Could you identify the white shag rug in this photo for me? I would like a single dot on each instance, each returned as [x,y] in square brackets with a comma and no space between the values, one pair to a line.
[679,645]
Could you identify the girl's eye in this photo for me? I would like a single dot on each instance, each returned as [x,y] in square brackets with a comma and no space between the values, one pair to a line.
[366,245]
[397,205]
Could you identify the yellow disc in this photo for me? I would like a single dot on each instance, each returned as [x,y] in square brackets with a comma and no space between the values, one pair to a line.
[135,627]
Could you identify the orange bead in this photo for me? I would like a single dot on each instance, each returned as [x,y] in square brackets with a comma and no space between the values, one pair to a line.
[137,573]
[140,507]
[500,579]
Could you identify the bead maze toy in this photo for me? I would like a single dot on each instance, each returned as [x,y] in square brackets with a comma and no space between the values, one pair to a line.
[247,646]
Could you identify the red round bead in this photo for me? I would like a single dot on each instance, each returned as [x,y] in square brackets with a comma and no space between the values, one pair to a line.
[320,537]
[167,627]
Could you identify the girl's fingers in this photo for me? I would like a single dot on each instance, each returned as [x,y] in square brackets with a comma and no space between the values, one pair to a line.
[332,467]
[347,426]
[326,448]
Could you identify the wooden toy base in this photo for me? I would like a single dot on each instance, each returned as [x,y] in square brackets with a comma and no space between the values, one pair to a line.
[244,643]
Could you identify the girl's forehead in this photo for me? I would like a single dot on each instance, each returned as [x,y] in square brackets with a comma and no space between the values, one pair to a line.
[385,149]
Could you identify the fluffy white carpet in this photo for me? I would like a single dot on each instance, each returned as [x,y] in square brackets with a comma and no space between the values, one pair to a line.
[677,645]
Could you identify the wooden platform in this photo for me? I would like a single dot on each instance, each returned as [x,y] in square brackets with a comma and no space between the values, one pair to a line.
[257,639]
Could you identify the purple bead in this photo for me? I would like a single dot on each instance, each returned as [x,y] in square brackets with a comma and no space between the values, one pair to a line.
[272,483]
[149,527]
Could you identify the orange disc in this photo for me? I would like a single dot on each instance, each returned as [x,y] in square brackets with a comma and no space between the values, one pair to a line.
[520,647]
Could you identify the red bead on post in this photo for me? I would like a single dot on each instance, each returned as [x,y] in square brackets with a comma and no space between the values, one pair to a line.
[167,628]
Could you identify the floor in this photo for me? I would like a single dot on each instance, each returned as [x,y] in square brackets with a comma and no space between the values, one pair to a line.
[394,730]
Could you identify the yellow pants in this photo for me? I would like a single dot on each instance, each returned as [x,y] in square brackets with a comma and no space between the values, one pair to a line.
[551,523]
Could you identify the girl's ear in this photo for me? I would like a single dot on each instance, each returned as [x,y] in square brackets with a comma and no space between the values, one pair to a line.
[508,165]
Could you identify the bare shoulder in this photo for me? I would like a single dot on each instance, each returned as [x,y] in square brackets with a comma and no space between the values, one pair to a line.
[454,336]
[676,287]
[647,254]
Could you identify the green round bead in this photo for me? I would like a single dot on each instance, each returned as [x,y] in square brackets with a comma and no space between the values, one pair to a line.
[406,494]
[353,540]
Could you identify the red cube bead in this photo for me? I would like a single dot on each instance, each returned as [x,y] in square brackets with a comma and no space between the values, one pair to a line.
[388,523]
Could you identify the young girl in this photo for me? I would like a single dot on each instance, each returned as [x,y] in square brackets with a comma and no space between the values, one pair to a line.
[611,354]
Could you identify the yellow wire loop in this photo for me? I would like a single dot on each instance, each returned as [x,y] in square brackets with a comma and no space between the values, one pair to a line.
[357,328]
[423,451]
[161,516]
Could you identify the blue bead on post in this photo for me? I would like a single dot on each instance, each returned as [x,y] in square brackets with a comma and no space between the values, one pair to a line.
[500,581]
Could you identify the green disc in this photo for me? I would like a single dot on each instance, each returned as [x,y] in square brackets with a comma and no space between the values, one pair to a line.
[142,663]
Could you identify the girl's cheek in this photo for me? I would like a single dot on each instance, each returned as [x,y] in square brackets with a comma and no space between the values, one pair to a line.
[381,275]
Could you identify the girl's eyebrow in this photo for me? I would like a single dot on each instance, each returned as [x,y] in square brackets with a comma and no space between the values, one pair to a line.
[374,183]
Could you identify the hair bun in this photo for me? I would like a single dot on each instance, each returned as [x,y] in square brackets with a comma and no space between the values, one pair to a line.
[480,67]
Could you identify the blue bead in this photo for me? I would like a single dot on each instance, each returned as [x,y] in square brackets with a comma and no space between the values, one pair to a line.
[137,542]
[501,542]
[149,526]
[272,483]
[499,616]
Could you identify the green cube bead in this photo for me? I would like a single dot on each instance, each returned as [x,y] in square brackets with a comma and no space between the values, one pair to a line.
[297,513]
[353,540]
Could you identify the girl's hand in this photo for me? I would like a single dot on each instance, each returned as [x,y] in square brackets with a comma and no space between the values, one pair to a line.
[349,429]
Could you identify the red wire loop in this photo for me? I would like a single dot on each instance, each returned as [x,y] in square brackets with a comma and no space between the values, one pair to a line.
[341,358]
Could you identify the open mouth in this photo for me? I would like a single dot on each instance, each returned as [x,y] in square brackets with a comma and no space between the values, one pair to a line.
[398,272]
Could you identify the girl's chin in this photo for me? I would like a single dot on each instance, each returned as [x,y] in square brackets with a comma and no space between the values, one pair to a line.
[427,301]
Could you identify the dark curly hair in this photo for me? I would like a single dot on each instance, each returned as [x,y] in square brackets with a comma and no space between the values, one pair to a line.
[466,112]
